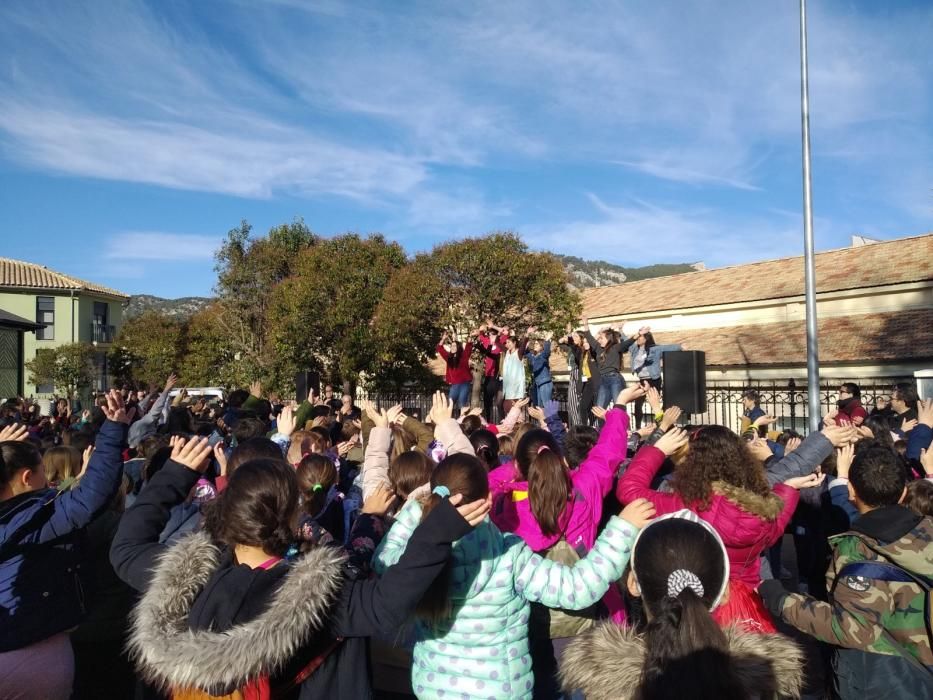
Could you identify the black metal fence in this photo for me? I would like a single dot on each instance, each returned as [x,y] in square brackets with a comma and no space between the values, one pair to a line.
[783,399]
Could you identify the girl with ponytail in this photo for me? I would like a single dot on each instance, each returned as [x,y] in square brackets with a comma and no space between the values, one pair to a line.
[321,520]
[471,626]
[680,571]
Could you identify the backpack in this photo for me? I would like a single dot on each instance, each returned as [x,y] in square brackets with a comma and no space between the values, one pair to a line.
[568,623]
[261,688]
[889,571]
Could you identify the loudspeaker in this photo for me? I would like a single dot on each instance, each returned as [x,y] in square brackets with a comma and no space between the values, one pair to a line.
[685,380]
[305,380]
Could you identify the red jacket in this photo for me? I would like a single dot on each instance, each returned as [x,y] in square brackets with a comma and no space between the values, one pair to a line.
[461,373]
[748,523]
[491,352]
[852,413]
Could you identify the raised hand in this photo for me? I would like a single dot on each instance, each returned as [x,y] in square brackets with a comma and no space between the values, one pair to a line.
[86,459]
[442,409]
[639,512]
[286,421]
[830,418]
[193,453]
[653,397]
[379,418]
[841,434]
[645,431]
[908,425]
[220,454]
[806,482]
[474,512]
[844,457]
[672,440]
[14,433]
[791,445]
[392,415]
[926,460]
[671,416]
[630,393]
[115,410]
[764,420]
[599,412]
[255,389]
[925,412]
[170,382]
[536,413]
[379,501]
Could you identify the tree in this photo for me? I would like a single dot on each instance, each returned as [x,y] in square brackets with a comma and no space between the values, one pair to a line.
[459,285]
[247,272]
[148,348]
[69,367]
[321,316]
[209,360]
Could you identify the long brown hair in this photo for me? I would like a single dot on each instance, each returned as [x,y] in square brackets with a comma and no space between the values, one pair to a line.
[316,474]
[408,471]
[542,466]
[459,473]
[717,454]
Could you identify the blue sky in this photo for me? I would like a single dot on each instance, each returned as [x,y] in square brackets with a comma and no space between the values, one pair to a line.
[133,135]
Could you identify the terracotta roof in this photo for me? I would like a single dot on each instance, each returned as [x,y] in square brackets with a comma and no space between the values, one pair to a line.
[873,265]
[883,337]
[25,275]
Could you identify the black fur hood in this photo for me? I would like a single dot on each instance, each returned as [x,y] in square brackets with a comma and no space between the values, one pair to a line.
[171,654]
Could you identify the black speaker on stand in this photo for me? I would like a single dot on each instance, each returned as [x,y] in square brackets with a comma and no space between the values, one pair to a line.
[685,380]
[305,380]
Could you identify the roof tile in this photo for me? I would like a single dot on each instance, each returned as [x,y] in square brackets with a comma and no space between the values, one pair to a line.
[26,275]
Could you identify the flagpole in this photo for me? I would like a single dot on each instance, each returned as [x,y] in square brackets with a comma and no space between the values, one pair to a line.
[813,362]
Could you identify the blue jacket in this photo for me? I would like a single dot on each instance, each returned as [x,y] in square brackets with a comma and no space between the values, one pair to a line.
[540,365]
[653,360]
[40,547]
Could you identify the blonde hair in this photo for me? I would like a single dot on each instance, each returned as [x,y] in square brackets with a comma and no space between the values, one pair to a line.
[61,463]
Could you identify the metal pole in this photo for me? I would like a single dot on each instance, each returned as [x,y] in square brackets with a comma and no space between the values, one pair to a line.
[813,362]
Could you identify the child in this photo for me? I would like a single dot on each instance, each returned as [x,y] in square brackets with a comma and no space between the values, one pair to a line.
[876,610]
[472,625]
[680,571]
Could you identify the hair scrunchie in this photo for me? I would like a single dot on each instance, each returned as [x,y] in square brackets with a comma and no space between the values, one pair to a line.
[317,487]
[681,579]
[441,491]
[543,448]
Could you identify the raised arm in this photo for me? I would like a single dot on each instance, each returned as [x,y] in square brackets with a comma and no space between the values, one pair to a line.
[636,481]
[136,545]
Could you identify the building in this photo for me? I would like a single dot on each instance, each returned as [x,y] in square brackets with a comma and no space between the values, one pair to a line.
[65,310]
[874,306]
[874,310]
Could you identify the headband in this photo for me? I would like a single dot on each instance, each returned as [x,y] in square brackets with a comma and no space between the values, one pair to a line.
[681,579]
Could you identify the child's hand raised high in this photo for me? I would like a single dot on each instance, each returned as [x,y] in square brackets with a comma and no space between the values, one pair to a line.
[639,512]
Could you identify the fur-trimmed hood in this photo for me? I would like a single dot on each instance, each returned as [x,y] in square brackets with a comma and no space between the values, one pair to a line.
[606,663]
[768,507]
[171,654]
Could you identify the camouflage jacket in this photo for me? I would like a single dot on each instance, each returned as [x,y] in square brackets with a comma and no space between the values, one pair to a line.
[860,608]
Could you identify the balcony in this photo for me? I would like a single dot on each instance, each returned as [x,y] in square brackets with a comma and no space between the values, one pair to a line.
[101,333]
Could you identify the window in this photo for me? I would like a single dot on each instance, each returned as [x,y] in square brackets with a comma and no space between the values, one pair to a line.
[100,313]
[45,314]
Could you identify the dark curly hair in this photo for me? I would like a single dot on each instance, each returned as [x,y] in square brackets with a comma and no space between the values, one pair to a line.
[717,454]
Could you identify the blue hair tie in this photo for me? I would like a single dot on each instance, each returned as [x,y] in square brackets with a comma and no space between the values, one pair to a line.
[441,491]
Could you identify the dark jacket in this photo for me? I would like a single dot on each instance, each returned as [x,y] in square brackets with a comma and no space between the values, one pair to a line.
[206,622]
[609,359]
[541,365]
[41,533]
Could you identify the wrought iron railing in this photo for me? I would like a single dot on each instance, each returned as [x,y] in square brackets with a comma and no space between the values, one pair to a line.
[101,333]
[785,400]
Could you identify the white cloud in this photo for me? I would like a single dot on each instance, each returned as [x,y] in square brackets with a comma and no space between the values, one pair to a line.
[156,245]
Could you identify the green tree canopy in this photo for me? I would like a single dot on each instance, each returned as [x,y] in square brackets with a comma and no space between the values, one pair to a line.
[321,316]
[69,367]
[148,348]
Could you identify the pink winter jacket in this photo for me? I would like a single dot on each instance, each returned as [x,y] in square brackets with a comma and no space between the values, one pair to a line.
[592,481]
[747,522]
